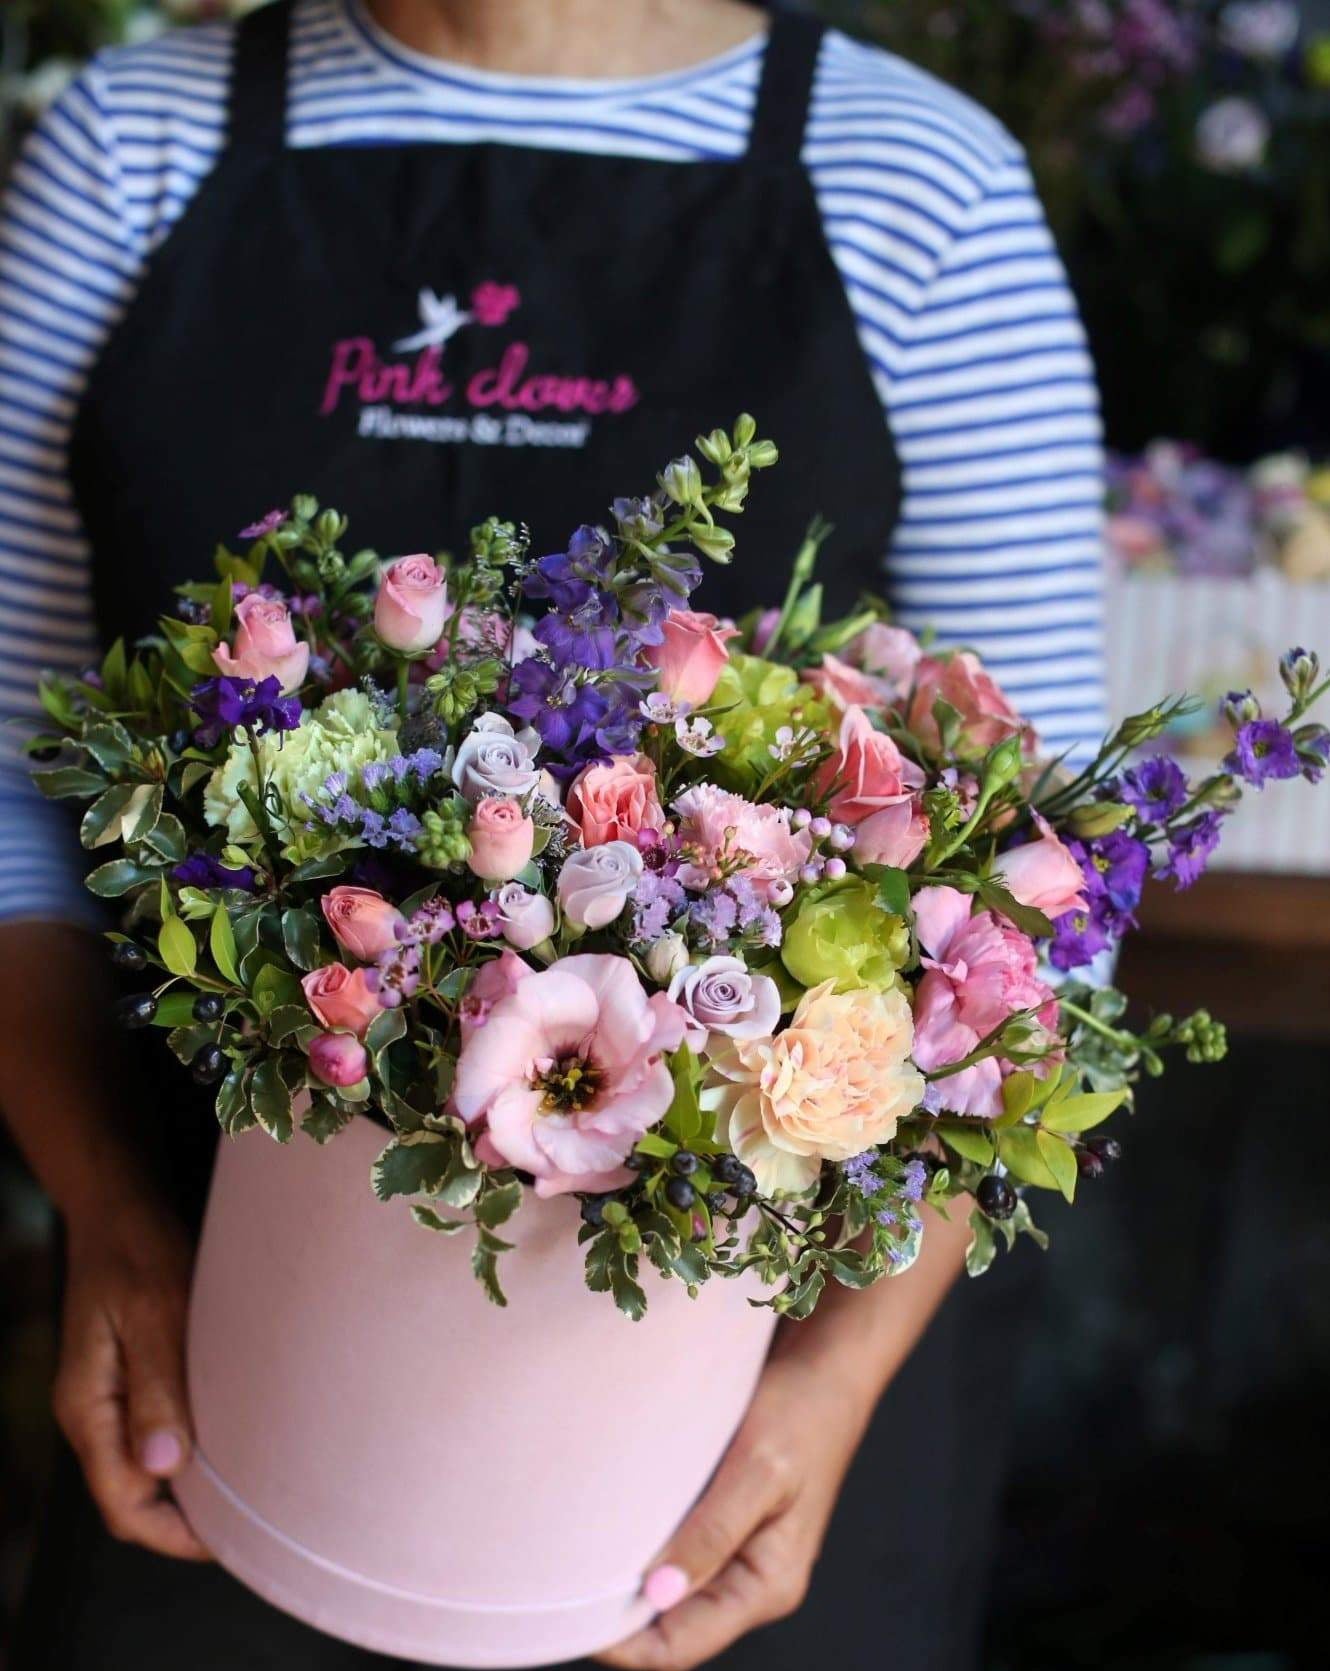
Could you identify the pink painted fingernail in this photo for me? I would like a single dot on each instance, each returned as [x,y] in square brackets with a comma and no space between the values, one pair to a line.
[666,1587]
[161,1452]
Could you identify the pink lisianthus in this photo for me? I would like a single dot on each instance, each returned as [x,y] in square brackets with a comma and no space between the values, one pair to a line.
[978,970]
[846,687]
[568,1071]
[721,835]
[341,998]
[363,922]
[1043,874]
[888,653]
[876,790]
[960,680]
[615,801]
[265,644]
[691,655]
[412,605]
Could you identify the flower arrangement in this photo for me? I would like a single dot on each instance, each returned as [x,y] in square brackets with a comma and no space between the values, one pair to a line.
[744,934]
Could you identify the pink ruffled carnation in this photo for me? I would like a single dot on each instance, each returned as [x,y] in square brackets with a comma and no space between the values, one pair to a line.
[722,835]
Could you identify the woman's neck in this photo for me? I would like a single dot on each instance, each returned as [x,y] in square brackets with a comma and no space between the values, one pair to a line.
[577,38]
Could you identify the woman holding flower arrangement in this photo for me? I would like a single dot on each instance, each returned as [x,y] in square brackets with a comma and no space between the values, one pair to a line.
[215,253]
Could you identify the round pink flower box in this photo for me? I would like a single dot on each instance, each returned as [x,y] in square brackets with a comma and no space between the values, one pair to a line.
[393,1459]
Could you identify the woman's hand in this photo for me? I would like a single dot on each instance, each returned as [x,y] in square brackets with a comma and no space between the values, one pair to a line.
[745,1554]
[120,1388]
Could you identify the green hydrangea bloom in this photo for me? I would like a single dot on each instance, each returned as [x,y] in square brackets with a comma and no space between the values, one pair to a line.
[341,735]
[840,933]
[751,702]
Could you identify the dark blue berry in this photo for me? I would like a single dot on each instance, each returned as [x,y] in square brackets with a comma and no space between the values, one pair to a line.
[684,1162]
[727,1168]
[996,1197]
[746,1182]
[137,1010]
[1105,1148]
[680,1193]
[209,1006]
[593,1210]
[209,1064]
[126,955]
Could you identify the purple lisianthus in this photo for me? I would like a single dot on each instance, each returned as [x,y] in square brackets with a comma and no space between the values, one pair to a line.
[1314,753]
[1078,938]
[1115,868]
[202,870]
[266,524]
[1157,788]
[224,703]
[1263,749]
[1189,848]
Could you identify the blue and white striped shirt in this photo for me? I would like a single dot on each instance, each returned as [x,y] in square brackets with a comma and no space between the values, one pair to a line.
[961,304]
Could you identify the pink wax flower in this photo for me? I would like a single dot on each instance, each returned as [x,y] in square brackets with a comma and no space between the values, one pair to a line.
[960,680]
[888,653]
[691,656]
[616,801]
[265,645]
[341,998]
[1043,874]
[412,604]
[502,838]
[363,922]
[568,1071]
[338,1059]
[845,686]
[978,970]
[721,835]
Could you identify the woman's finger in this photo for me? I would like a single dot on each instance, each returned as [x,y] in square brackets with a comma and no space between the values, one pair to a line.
[153,1334]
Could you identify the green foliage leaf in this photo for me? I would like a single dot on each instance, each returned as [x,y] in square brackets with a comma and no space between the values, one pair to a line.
[69,783]
[176,946]
[1026,918]
[222,944]
[485,1264]
[386,1028]
[325,1119]
[1060,1160]
[893,890]
[110,745]
[234,1114]
[300,936]
[118,876]
[273,986]
[496,1204]
[290,1021]
[983,1244]
[430,1220]
[1081,1112]
[969,1139]
[174,1009]
[1018,1150]
[270,1099]
[416,1164]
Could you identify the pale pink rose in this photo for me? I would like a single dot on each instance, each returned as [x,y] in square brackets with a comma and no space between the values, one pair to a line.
[721,997]
[979,969]
[889,653]
[723,834]
[525,918]
[338,1059]
[597,882]
[412,605]
[568,1071]
[265,645]
[615,801]
[845,686]
[868,774]
[692,655]
[960,680]
[363,922]
[341,997]
[1043,873]
[495,979]
[502,838]
[896,835]
[837,1081]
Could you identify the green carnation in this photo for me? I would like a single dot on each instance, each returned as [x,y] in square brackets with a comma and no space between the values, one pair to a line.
[341,735]
[840,933]
[753,699]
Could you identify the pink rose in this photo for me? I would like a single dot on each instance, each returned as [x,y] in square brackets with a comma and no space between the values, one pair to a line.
[867,775]
[1043,873]
[615,802]
[338,1059]
[978,970]
[265,644]
[525,918]
[845,686]
[412,605]
[692,655]
[363,922]
[888,653]
[896,835]
[568,1071]
[960,680]
[502,838]
[722,834]
[341,997]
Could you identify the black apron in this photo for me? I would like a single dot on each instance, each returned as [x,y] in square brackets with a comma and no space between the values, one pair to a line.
[423,335]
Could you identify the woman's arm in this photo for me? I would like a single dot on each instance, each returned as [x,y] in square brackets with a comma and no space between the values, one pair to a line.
[745,1554]
[120,1389]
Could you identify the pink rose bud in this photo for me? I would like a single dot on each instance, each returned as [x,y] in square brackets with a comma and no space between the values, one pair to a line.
[502,838]
[412,605]
[362,921]
[338,1059]
[1043,874]
[341,998]
[265,645]
[691,656]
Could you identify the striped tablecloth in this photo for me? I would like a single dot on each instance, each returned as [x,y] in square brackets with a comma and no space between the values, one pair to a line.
[1212,636]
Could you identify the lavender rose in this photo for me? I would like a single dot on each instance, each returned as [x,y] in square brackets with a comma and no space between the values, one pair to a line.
[496,760]
[525,918]
[722,996]
[596,882]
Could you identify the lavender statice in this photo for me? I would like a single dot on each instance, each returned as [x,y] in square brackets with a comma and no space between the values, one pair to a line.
[860,1173]
[657,898]
[224,703]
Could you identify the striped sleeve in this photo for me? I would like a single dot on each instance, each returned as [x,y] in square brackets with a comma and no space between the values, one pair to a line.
[67,263]
[993,407]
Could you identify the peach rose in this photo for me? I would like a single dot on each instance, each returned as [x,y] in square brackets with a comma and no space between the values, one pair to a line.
[1043,874]
[614,802]
[265,645]
[412,605]
[690,658]
[341,998]
[834,1083]
[502,838]
[960,680]
[362,921]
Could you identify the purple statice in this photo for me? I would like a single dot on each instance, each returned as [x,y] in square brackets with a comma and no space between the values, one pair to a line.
[1189,848]
[202,870]
[859,1173]
[1263,749]
[268,523]
[914,1179]
[373,828]
[224,703]
[758,923]
[715,916]
[1157,788]
[404,828]
[1078,938]
[395,975]
[656,898]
